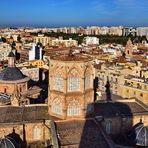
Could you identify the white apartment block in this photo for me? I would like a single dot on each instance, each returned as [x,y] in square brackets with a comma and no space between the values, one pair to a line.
[66,43]
[116,31]
[142,31]
[91,40]
[104,30]
[35,52]
[42,39]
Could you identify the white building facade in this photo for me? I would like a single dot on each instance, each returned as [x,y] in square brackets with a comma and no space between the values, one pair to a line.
[91,41]
[142,31]
[35,52]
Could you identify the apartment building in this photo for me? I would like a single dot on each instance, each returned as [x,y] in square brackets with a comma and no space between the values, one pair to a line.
[131,86]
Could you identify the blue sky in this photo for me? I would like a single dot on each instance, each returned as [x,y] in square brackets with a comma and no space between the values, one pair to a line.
[50,13]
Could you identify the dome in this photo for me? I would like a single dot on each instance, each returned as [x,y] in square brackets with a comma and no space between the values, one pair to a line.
[7,142]
[11,74]
[139,135]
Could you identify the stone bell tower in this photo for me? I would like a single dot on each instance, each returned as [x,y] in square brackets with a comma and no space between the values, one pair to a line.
[71,92]
[11,59]
[129,48]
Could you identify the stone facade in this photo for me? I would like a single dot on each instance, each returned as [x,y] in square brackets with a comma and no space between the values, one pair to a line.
[120,125]
[29,132]
[129,49]
[13,82]
[13,87]
[131,87]
[70,87]
[28,126]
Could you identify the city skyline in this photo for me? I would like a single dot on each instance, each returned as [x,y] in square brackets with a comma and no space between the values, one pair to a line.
[56,13]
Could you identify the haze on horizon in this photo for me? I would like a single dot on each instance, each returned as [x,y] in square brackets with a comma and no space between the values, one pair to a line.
[56,13]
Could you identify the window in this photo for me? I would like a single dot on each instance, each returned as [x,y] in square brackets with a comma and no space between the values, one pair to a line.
[73,84]
[108,127]
[20,89]
[58,83]
[73,108]
[36,133]
[73,81]
[57,107]
[138,86]
[116,79]
[126,82]
[5,90]
[128,51]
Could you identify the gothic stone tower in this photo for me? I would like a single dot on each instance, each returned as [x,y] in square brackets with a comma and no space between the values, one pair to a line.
[71,92]
[129,48]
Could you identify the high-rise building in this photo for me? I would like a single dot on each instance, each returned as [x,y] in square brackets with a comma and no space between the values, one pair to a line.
[142,31]
[129,30]
[115,31]
[35,52]
[104,30]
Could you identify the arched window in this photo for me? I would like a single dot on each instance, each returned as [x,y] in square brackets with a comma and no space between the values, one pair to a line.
[58,83]
[73,108]
[128,52]
[20,88]
[108,127]
[5,90]
[36,133]
[57,107]
[73,81]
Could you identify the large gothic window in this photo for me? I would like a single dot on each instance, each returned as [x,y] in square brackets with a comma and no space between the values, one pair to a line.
[58,83]
[73,81]
[73,108]
[87,81]
[57,107]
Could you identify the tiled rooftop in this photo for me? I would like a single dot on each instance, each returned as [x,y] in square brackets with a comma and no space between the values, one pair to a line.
[11,114]
[76,57]
[112,109]
[80,133]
